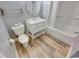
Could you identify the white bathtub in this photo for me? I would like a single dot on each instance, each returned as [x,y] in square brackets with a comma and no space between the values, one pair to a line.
[65,37]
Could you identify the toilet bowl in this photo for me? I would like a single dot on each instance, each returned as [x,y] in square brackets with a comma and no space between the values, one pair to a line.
[23,39]
[18,30]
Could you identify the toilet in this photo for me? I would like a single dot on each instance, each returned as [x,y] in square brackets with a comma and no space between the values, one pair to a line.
[18,30]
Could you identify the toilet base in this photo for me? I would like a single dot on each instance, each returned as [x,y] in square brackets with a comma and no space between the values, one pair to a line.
[23,39]
[25,44]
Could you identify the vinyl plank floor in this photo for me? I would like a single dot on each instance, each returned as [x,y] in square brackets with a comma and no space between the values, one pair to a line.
[44,46]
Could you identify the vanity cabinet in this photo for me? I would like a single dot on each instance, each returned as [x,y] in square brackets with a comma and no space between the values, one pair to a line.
[36,27]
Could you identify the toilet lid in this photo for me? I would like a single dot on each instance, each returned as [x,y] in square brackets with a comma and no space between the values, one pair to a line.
[23,38]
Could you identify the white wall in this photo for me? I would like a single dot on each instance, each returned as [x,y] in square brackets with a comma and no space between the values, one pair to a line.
[13,13]
[11,20]
[12,4]
[5,47]
[52,14]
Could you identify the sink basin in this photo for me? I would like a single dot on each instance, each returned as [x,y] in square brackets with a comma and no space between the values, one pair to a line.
[35,20]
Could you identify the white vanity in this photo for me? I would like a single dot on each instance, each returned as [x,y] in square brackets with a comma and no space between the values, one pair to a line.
[36,26]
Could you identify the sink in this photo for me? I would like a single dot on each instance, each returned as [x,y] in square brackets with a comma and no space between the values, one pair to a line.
[35,20]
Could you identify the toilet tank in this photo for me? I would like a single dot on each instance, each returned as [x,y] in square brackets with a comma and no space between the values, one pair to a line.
[18,29]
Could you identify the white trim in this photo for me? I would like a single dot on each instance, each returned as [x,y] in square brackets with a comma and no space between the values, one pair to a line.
[61,31]
[69,52]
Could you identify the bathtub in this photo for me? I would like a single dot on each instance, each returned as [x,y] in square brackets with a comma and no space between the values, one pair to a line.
[65,37]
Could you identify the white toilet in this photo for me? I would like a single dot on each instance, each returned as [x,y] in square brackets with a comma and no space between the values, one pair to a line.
[18,30]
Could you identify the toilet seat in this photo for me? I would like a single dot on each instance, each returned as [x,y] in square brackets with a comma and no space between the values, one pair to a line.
[23,38]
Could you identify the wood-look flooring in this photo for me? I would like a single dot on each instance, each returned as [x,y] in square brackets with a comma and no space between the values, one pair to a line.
[44,46]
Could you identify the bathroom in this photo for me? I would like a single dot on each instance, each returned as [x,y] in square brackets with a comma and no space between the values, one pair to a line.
[58,18]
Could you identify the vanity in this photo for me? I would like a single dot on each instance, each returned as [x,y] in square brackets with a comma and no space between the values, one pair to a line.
[36,27]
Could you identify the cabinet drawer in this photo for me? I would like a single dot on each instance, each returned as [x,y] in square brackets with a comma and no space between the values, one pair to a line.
[37,29]
[39,25]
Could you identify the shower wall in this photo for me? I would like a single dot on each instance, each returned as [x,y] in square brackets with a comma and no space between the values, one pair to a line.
[66,24]
[67,17]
